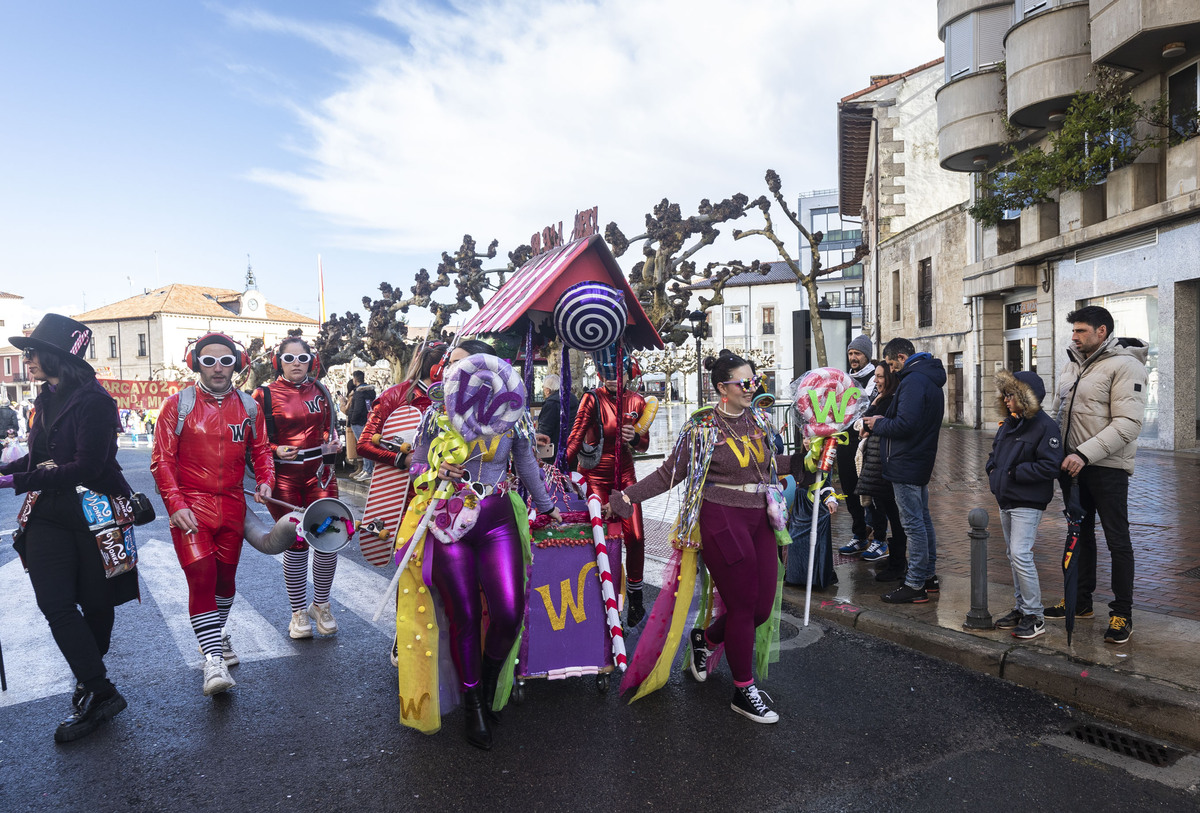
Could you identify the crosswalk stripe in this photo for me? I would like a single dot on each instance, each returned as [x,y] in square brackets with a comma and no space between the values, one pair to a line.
[33,666]
[254,637]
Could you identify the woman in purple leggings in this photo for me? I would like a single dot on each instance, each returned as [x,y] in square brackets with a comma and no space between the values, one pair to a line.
[488,557]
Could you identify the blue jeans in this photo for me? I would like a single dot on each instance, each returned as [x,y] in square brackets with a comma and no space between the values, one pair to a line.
[1020,531]
[368,465]
[913,501]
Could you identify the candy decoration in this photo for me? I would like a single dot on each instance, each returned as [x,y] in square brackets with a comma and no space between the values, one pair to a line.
[590,316]
[484,396]
[827,400]
[611,615]
[647,417]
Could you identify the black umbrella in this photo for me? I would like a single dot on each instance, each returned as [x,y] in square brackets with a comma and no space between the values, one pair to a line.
[1074,514]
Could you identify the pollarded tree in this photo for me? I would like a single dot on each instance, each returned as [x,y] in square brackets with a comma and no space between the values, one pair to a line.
[813,239]
[669,243]
[671,359]
[341,339]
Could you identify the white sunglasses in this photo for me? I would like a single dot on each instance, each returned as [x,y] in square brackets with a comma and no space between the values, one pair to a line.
[224,361]
[291,358]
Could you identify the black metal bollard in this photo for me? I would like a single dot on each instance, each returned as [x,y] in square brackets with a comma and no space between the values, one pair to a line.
[978,617]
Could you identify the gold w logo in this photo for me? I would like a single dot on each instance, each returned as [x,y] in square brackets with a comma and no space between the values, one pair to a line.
[486,450]
[748,447]
[574,603]
[413,708]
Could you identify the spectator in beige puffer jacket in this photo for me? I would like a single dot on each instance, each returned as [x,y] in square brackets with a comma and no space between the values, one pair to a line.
[1100,406]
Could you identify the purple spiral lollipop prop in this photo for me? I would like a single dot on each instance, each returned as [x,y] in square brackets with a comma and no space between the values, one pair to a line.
[484,396]
[590,316]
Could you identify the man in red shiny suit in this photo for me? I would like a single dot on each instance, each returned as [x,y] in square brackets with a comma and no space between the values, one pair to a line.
[300,429]
[608,474]
[199,471]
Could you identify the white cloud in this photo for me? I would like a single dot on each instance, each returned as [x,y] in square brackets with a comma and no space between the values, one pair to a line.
[497,118]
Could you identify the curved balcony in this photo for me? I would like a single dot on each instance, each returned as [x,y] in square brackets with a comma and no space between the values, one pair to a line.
[951,10]
[971,122]
[1133,34]
[1048,62]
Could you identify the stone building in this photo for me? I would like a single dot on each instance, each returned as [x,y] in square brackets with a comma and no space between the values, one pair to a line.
[144,337]
[1131,242]
[914,221]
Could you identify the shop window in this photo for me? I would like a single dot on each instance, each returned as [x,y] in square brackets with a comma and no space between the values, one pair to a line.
[1135,314]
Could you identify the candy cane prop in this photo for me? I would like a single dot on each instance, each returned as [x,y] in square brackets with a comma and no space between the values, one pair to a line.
[606,583]
[818,495]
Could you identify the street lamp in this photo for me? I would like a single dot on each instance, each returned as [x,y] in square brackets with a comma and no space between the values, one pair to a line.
[700,331]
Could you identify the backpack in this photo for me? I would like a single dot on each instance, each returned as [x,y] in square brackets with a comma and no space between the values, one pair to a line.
[269,415]
[187,400]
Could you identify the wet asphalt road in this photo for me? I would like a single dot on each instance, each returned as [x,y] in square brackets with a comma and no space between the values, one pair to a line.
[865,726]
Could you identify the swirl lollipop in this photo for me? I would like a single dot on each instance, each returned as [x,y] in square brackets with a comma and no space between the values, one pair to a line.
[590,316]
[827,401]
[484,396]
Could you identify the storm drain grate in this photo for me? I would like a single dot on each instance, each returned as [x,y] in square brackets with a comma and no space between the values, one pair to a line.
[1151,753]
[1194,573]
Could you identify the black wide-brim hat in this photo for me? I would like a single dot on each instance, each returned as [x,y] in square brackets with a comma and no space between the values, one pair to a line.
[59,334]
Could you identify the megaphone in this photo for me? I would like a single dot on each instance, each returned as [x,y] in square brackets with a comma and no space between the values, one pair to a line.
[274,540]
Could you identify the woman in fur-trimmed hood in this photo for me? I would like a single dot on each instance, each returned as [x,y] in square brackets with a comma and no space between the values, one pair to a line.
[1024,463]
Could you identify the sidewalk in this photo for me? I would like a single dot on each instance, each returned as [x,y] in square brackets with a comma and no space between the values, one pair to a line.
[1152,683]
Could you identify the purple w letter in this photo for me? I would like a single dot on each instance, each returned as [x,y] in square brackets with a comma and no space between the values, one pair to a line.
[485,401]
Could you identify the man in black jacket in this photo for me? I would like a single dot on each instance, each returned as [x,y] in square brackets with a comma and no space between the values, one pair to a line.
[550,418]
[1024,463]
[361,401]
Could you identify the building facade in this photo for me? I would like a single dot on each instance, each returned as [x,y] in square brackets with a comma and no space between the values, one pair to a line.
[14,383]
[1132,241]
[144,337]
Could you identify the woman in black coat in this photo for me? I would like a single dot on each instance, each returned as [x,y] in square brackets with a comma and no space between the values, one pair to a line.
[72,442]
[873,486]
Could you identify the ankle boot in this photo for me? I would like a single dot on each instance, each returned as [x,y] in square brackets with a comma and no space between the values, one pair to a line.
[635,611]
[477,731]
[488,685]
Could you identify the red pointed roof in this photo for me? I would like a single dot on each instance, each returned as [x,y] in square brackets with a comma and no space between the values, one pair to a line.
[539,283]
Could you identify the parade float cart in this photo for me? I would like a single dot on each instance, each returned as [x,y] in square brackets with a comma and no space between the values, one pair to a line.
[575,295]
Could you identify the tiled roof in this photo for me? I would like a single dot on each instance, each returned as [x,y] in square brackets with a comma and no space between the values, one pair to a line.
[6,295]
[777,272]
[882,81]
[190,300]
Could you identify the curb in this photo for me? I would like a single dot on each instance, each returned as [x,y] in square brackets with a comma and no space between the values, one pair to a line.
[1155,708]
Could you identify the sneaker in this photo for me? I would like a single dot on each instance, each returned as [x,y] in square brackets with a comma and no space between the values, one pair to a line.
[875,551]
[933,585]
[700,653]
[227,654]
[1010,621]
[1030,627]
[395,655]
[635,610]
[300,627]
[749,702]
[906,595]
[1059,610]
[326,624]
[1119,629]
[855,547]
[216,676]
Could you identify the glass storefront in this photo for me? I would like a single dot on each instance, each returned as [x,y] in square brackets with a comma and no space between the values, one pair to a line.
[1135,314]
[1020,334]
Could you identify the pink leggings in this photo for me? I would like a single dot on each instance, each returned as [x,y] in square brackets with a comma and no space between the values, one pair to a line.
[488,557]
[742,556]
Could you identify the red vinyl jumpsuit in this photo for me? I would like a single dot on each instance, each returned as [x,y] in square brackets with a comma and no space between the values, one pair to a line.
[392,399]
[301,416]
[603,479]
[202,469]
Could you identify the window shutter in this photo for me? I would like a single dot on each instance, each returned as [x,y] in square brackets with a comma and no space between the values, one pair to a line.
[958,47]
[993,24]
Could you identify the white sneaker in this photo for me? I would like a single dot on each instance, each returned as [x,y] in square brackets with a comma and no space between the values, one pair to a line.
[230,657]
[216,676]
[300,627]
[326,624]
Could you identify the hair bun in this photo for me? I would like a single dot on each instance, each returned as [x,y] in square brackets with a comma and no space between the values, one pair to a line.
[709,363]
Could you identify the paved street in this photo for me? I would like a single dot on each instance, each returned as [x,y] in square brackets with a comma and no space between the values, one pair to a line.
[312,724]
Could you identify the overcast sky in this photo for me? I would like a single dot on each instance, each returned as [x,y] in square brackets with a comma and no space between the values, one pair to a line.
[153,142]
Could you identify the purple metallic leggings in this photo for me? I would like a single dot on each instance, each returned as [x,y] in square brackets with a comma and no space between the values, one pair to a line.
[488,557]
[742,557]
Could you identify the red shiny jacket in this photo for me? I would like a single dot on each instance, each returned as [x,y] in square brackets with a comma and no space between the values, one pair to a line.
[301,415]
[392,399]
[209,456]
[584,427]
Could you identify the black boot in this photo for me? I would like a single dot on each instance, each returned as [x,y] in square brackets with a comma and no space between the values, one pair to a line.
[635,612]
[477,731]
[93,710]
[487,686]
